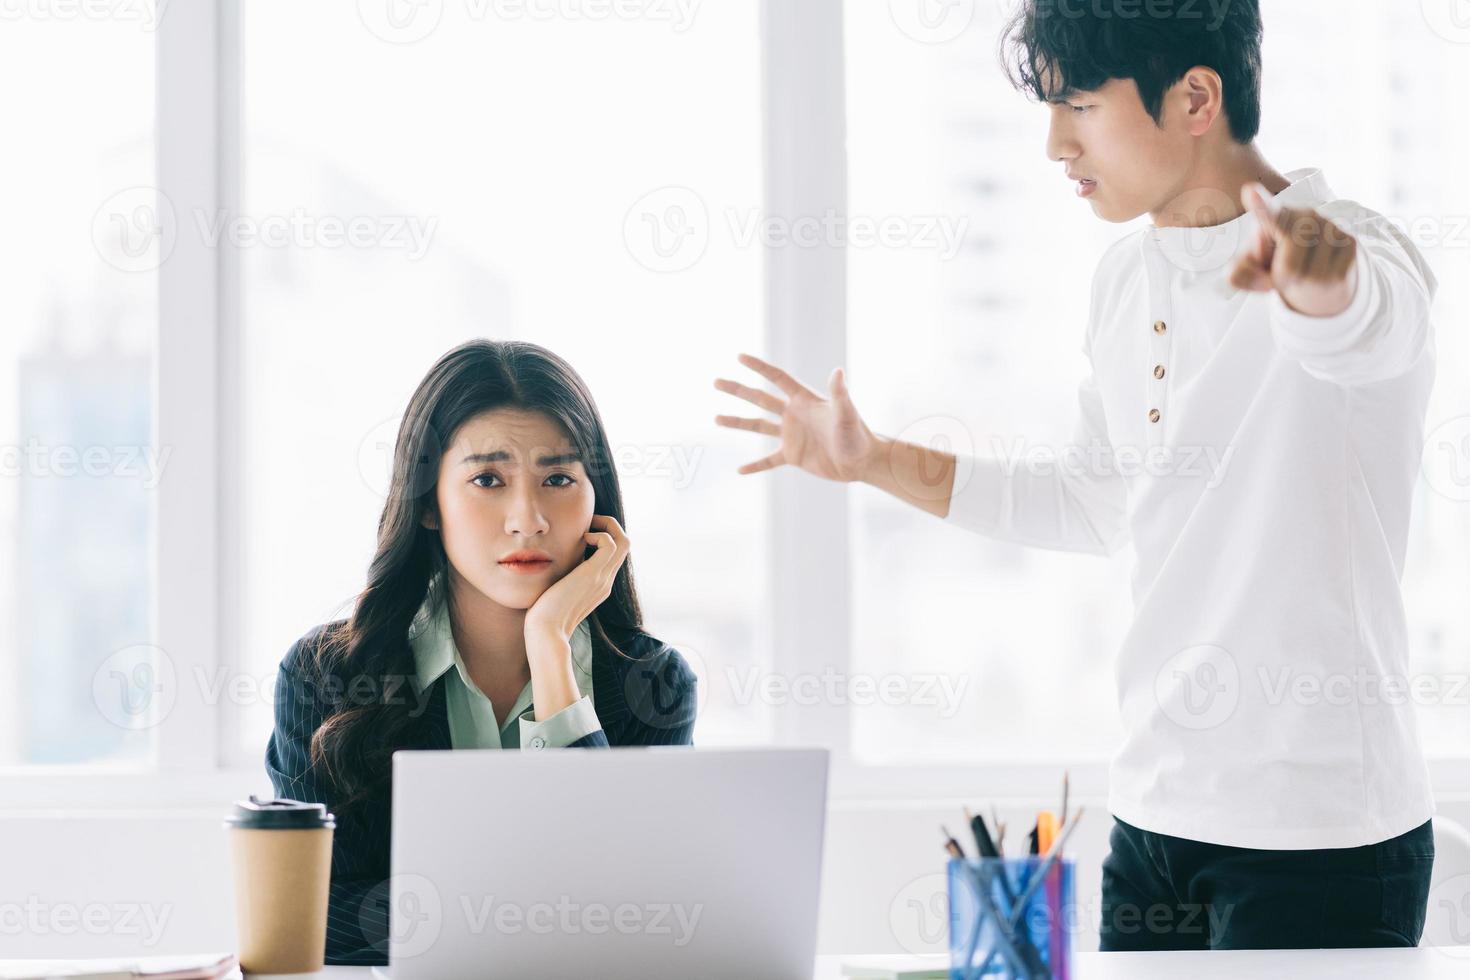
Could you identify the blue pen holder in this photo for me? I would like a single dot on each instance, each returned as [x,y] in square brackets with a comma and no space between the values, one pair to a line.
[983,942]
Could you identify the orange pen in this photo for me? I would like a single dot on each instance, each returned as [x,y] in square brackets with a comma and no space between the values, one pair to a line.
[1046,830]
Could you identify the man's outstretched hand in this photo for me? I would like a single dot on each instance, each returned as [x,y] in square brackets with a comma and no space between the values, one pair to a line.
[1306,258]
[824,436]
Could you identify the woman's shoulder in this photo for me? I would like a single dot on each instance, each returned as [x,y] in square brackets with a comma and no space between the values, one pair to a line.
[655,692]
[303,659]
[643,652]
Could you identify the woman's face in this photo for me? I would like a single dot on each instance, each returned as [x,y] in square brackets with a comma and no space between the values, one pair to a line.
[511,482]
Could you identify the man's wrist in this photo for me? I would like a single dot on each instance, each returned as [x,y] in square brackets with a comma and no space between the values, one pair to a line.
[876,463]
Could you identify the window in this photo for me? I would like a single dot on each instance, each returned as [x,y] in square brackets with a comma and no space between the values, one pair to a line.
[78,463]
[630,186]
[577,183]
[965,329]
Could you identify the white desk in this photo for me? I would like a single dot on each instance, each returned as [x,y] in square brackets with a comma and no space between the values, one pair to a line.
[1424,963]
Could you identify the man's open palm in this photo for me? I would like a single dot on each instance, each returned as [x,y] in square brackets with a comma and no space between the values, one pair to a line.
[824,436]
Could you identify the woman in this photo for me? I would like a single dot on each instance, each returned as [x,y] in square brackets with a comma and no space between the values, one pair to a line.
[499,613]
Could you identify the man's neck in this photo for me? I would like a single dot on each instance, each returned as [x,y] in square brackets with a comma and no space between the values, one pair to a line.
[1210,194]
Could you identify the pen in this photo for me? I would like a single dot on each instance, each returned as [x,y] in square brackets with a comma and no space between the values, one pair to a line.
[983,844]
[1046,865]
[951,845]
[1046,830]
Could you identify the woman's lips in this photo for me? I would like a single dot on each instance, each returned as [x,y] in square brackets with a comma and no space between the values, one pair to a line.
[525,567]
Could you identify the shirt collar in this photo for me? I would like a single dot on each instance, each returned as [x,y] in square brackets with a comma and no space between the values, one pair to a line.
[434,652]
[1216,247]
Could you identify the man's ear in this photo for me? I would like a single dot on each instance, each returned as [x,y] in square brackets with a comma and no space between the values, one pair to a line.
[1206,98]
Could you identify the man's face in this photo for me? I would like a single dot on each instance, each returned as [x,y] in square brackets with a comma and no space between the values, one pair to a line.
[1134,165]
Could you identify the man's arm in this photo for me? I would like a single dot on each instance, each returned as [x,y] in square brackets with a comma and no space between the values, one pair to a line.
[1072,502]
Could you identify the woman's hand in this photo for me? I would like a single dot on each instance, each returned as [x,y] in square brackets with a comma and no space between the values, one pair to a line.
[825,437]
[558,611]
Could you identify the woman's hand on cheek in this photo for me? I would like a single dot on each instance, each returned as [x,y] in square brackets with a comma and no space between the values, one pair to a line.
[558,610]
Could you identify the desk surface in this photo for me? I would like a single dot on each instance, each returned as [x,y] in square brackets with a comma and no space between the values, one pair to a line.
[1424,963]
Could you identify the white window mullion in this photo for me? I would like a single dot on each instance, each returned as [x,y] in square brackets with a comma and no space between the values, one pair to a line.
[187,553]
[806,286]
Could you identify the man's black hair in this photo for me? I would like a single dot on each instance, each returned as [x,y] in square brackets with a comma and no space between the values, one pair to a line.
[1052,49]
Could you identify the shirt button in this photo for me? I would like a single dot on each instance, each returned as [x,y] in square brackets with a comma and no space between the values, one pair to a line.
[1160,326]
[1153,415]
[538,742]
[1158,370]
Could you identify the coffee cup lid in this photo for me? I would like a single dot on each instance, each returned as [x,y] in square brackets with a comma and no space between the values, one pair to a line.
[279,814]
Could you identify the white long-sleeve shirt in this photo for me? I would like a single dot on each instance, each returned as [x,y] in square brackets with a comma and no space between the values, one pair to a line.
[1262,463]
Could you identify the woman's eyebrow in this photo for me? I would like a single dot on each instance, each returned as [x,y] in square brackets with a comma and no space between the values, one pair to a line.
[500,455]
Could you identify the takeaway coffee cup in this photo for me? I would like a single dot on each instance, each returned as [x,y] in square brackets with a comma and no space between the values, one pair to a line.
[282,855]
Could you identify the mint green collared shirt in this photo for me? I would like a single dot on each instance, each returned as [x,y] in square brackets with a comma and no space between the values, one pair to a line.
[472,721]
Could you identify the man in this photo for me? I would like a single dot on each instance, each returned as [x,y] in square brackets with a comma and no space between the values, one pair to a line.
[1269,791]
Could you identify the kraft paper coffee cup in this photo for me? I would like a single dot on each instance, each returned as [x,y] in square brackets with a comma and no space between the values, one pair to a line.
[282,856]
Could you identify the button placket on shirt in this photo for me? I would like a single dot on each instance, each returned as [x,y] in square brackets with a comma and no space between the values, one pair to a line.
[1161,328]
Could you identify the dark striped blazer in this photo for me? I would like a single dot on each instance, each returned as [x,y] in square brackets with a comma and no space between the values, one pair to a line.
[646,700]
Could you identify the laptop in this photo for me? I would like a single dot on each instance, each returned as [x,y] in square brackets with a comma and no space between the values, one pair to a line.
[662,863]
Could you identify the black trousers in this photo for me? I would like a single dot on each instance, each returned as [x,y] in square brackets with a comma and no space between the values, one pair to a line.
[1162,892]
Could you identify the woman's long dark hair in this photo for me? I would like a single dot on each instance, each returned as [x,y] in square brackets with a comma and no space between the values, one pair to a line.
[354,745]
